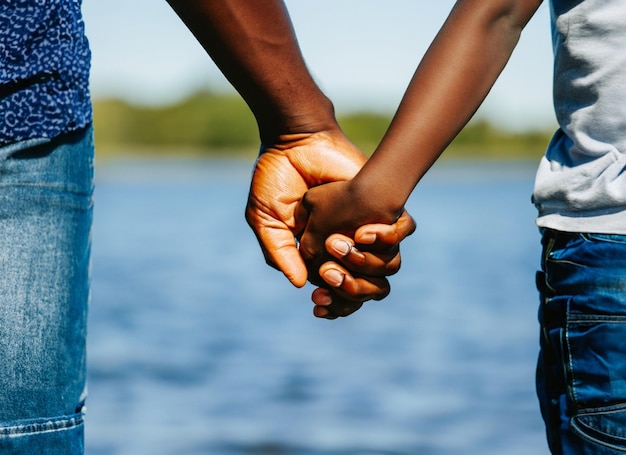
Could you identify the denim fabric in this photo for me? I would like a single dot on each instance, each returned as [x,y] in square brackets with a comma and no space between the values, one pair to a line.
[45,224]
[581,374]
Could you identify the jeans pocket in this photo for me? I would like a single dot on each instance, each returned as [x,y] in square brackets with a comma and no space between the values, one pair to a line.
[596,378]
[596,359]
[605,427]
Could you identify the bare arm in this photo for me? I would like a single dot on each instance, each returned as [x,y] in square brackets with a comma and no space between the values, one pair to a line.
[455,75]
[254,45]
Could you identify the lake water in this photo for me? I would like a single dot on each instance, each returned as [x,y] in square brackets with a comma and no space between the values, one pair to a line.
[197,347]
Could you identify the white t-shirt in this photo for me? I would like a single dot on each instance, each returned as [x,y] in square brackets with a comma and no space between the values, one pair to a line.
[581,181]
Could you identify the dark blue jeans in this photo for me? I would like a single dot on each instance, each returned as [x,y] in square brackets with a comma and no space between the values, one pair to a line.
[45,225]
[581,374]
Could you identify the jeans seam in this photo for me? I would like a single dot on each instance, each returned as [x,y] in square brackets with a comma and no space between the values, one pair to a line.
[591,319]
[546,255]
[602,238]
[582,434]
[39,426]
[568,374]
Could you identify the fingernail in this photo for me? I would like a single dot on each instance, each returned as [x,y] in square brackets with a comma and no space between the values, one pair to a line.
[334,277]
[342,247]
[320,312]
[323,299]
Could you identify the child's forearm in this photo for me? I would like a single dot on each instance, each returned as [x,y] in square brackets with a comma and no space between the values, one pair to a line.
[253,44]
[454,77]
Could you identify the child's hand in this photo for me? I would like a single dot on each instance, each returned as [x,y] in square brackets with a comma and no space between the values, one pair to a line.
[351,267]
[343,287]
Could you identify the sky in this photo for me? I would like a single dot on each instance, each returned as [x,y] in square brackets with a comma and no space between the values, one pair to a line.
[361,53]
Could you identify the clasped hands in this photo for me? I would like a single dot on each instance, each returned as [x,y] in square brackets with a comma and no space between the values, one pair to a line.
[323,236]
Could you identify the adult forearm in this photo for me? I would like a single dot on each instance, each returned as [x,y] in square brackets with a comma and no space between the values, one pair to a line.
[253,44]
[450,83]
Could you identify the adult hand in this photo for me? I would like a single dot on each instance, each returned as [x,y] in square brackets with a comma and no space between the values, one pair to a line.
[282,175]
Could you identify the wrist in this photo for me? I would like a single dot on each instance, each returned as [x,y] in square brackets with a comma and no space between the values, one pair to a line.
[379,201]
[296,117]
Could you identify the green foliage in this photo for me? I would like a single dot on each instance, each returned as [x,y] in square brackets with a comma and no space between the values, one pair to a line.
[483,140]
[209,123]
[205,121]
[365,129]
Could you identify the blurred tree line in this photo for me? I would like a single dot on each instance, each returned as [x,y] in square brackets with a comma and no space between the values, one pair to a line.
[212,124]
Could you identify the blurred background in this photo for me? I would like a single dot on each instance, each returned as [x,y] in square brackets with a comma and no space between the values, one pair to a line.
[197,347]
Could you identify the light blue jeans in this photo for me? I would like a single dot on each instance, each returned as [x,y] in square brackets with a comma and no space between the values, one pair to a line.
[581,375]
[45,224]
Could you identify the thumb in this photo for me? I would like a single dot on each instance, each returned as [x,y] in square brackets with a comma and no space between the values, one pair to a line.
[281,252]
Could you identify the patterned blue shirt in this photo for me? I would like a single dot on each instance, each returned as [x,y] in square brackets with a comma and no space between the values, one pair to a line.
[44,69]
